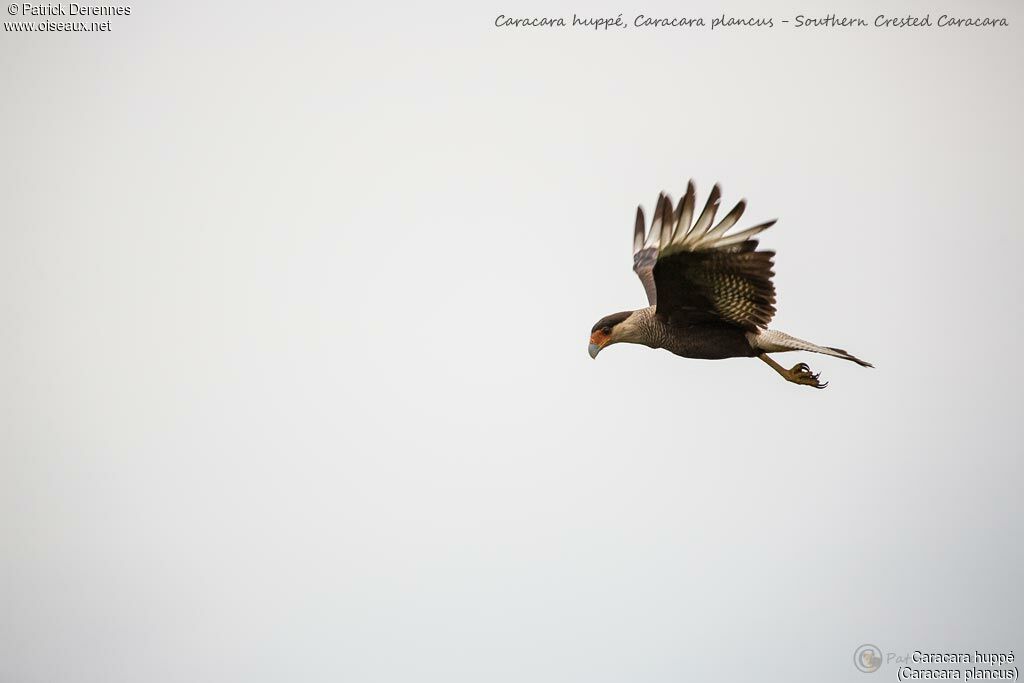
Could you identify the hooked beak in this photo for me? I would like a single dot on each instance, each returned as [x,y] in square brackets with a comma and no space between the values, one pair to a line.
[598,340]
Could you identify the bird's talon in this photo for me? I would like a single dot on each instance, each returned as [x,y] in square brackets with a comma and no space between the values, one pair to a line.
[801,374]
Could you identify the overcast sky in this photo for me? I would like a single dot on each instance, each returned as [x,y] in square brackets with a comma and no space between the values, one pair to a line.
[294,377]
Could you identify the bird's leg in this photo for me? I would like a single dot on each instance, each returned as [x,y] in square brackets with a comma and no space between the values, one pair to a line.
[798,374]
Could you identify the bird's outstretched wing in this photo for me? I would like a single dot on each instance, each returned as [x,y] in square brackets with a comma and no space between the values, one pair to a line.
[694,272]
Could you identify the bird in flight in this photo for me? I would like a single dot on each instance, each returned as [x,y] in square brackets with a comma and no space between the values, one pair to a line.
[710,291]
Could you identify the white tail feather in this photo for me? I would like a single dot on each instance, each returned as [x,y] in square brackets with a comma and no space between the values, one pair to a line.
[773,341]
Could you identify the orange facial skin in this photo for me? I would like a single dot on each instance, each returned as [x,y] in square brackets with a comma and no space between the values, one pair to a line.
[599,338]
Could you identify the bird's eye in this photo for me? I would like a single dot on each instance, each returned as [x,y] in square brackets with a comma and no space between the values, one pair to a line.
[606,330]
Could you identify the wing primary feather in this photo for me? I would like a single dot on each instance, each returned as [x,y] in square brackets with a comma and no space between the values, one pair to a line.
[686,213]
[707,216]
[676,225]
[638,230]
[743,235]
[654,236]
[726,223]
[666,223]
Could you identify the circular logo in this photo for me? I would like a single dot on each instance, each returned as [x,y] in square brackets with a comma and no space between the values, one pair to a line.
[867,658]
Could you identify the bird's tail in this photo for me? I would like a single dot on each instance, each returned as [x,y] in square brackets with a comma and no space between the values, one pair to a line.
[774,341]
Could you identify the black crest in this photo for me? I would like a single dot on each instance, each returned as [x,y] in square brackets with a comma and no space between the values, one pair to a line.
[610,321]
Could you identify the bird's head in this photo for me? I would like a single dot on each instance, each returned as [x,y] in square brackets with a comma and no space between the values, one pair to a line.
[608,330]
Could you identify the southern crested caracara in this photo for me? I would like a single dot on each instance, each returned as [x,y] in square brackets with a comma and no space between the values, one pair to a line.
[710,291]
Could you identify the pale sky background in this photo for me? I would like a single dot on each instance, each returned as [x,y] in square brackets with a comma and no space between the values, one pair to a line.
[293,372]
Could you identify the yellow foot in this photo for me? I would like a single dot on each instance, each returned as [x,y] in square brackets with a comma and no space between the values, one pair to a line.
[801,374]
